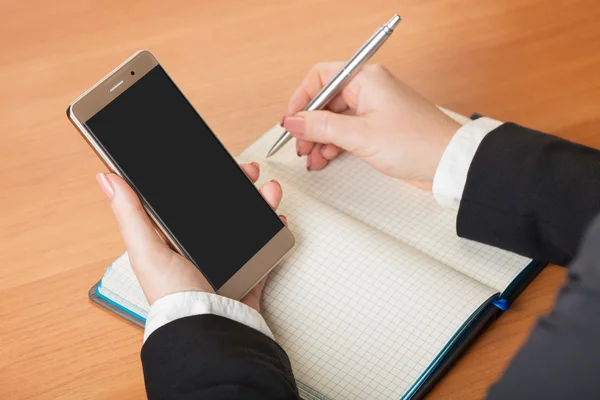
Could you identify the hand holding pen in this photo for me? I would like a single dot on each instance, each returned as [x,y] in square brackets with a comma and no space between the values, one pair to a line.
[375,117]
[345,74]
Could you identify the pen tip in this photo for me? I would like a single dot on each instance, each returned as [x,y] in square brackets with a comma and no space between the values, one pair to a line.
[272,151]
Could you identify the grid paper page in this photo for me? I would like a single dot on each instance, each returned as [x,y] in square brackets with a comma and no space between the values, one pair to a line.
[360,314]
[387,205]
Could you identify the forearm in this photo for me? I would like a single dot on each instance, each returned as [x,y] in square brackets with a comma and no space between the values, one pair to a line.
[209,357]
[559,359]
[202,345]
[530,193]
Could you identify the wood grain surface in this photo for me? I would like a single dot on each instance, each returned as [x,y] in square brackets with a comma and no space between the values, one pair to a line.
[530,61]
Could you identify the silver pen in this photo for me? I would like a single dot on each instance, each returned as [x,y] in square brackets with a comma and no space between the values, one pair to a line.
[329,91]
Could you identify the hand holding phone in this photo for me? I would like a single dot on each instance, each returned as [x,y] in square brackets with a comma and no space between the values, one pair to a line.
[160,270]
[144,129]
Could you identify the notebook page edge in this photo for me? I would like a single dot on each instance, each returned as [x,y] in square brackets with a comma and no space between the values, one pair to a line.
[122,304]
[119,278]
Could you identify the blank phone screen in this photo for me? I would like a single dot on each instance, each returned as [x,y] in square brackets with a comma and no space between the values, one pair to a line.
[185,176]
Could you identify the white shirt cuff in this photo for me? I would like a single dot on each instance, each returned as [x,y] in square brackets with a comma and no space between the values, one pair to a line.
[451,174]
[187,304]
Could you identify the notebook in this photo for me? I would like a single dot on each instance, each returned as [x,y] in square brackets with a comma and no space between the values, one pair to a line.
[379,295]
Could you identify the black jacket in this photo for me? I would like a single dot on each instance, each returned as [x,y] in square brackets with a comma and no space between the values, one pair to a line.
[527,192]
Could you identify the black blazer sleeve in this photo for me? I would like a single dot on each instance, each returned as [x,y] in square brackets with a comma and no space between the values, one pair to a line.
[530,193]
[211,357]
[560,358]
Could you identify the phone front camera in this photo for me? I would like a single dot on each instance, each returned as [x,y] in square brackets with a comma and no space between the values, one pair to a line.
[132,72]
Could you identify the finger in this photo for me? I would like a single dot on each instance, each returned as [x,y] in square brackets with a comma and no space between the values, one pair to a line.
[252,170]
[318,77]
[252,299]
[345,131]
[330,151]
[304,147]
[423,185]
[283,219]
[272,193]
[135,226]
[315,160]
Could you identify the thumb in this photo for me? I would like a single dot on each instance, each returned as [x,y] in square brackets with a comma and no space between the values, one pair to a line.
[136,229]
[345,131]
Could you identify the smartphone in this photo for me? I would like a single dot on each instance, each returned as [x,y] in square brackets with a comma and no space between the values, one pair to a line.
[145,130]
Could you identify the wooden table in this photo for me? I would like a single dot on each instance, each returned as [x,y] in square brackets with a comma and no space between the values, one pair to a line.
[531,61]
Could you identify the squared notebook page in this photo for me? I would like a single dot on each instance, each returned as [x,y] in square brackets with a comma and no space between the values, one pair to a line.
[387,205]
[361,314]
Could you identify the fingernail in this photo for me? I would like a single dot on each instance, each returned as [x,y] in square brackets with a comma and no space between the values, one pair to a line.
[105,185]
[275,181]
[284,218]
[295,125]
[308,163]
[256,165]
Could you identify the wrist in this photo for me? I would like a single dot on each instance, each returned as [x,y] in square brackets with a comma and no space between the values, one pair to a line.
[186,304]
[442,134]
[452,171]
[447,130]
